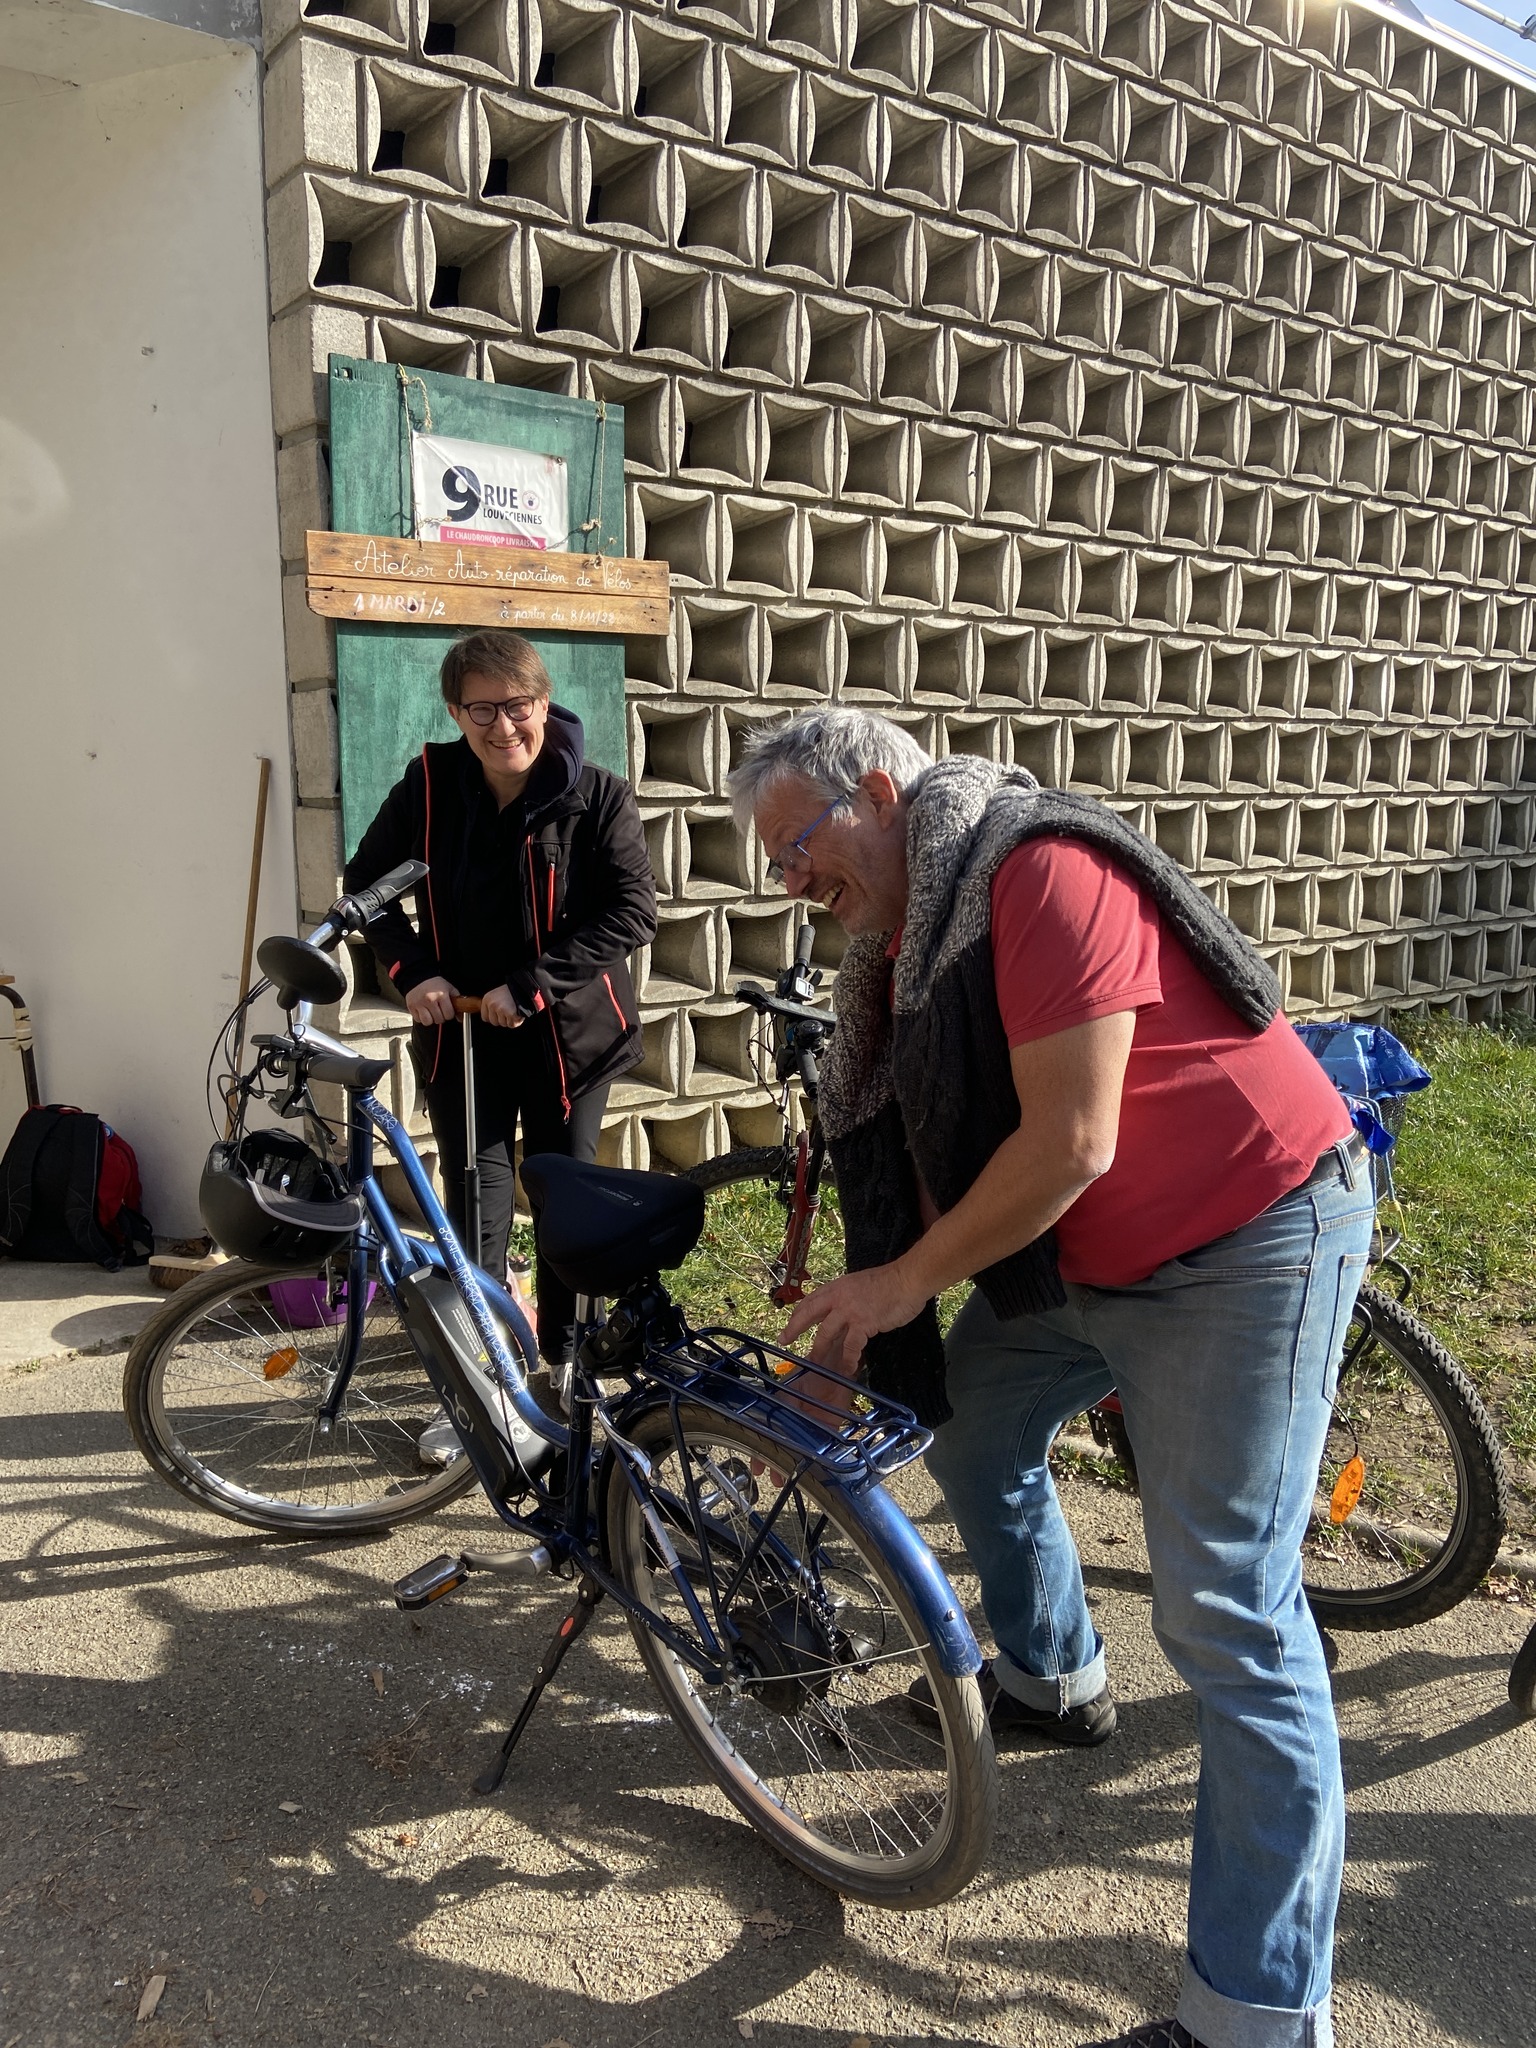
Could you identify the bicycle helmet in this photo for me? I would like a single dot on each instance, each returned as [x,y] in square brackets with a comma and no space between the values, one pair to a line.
[273,1200]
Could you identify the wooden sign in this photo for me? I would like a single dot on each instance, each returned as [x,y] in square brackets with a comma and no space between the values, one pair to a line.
[369,578]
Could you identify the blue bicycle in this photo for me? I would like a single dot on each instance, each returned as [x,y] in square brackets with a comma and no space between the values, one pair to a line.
[715,1487]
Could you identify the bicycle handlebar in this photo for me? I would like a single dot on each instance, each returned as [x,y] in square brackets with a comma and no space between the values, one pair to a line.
[780,1006]
[361,909]
[805,944]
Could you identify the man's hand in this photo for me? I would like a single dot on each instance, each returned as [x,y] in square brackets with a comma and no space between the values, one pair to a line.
[1068,1085]
[431,1001]
[497,1007]
[846,1313]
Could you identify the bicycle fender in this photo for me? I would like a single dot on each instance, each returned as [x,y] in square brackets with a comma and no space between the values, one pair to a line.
[921,1576]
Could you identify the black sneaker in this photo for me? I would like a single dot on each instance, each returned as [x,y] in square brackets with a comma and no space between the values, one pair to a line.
[1156,2034]
[1082,1727]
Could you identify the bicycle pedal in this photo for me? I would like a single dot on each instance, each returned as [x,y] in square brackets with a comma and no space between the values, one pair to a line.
[430,1582]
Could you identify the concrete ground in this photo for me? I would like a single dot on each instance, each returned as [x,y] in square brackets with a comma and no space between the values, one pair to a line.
[49,1311]
[234,1766]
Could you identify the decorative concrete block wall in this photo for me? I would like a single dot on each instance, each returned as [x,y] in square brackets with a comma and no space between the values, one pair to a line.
[1141,392]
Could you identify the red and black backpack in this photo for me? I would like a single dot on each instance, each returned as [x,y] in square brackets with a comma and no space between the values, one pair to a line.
[69,1190]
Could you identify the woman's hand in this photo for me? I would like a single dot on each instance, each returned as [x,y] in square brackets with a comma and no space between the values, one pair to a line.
[431,1001]
[497,1007]
[846,1313]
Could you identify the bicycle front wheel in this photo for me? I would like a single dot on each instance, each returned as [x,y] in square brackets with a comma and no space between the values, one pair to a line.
[812,1736]
[223,1390]
[1412,1497]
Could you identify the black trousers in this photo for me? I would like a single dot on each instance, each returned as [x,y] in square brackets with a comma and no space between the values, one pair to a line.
[512,1081]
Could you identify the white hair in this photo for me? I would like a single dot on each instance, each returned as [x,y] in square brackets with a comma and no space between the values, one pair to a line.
[833,748]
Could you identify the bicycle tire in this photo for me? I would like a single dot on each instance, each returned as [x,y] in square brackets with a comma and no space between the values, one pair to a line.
[823,1676]
[1432,1510]
[1522,1679]
[749,1162]
[203,1353]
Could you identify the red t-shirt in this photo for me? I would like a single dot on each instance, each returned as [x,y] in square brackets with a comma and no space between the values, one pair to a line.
[1216,1121]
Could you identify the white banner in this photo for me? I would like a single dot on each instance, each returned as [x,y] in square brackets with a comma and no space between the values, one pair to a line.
[471,491]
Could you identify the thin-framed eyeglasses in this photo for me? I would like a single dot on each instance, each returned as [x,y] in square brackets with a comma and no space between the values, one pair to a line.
[795,858]
[518,709]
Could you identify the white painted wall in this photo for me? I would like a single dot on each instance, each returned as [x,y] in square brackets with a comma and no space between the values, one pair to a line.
[141,657]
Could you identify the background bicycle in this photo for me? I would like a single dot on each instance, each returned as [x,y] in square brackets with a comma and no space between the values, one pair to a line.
[781,1601]
[1412,1495]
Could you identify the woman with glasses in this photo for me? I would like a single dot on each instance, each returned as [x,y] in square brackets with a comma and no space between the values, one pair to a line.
[539,889]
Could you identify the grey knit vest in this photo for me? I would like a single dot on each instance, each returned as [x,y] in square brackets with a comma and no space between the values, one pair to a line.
[918,1080]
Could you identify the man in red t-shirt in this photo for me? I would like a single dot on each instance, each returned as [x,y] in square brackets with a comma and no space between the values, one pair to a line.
[1114,1131]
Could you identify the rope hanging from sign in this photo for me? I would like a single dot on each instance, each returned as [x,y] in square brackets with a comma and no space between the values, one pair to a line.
[407,503]
[592,525]
[405,401]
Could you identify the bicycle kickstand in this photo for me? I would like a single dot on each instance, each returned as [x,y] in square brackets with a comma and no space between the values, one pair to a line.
[588,1593]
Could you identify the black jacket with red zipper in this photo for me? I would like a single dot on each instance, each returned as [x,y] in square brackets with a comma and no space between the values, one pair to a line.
[587,898]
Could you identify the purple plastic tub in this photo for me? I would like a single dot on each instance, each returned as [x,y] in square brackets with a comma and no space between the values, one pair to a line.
[305,1304]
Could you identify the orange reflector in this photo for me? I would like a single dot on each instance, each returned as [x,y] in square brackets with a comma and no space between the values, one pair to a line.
[781,1368]
[1346,1491]
[280,1362]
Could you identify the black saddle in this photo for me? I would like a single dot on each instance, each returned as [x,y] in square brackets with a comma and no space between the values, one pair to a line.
[602,1228]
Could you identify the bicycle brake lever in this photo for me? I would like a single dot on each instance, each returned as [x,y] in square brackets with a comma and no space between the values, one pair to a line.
[291,1101]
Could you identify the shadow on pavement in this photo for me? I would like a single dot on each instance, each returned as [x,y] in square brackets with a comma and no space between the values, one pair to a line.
[172,1689]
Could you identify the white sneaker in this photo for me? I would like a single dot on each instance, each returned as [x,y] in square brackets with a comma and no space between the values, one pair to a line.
[439,1442]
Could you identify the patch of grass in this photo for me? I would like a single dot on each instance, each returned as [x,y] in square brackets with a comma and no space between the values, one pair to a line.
[726,1279]
[1465,1167]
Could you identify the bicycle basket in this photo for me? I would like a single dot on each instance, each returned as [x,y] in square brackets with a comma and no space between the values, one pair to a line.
[272,1199]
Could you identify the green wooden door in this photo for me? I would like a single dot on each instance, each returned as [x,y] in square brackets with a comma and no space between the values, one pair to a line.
[388,701]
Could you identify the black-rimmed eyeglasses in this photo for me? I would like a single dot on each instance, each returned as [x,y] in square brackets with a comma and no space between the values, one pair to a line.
[518,709]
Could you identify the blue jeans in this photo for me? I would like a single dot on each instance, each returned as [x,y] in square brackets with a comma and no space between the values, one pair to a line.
[1225,1362]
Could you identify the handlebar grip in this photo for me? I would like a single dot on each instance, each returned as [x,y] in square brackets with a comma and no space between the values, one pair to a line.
[805,944]
[362,908]
[466,1006]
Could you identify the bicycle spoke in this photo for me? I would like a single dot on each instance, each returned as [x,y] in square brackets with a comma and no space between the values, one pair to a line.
[815,1725]
[239,1415]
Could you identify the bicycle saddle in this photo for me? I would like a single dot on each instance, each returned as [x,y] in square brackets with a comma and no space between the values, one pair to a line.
[602,1228]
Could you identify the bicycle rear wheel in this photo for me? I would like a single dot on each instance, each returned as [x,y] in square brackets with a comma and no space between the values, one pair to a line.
[812,1738]
[1414,1450]
[223,1390]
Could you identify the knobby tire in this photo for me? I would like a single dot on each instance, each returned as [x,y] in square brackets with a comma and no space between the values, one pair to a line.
[1419,1580]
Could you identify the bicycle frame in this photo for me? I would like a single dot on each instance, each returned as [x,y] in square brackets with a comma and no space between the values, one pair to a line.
[566,1518]
[640,1372]
[803,1204]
